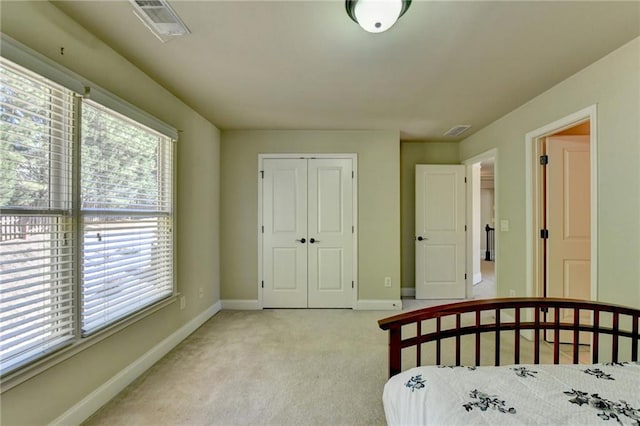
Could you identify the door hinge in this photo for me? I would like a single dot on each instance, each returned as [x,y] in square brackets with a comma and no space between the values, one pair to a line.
[262,282]
[353,174]
[465,227]
[465,276]
[262,174]
[544,234]
[352,284]
[263,229]
[465,180]
[353,229]
[544,160]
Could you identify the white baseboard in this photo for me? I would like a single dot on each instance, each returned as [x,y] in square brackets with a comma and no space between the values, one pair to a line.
[408,291]
[241,305]
[369,305]
[379,305]
[96,399]
[477,277]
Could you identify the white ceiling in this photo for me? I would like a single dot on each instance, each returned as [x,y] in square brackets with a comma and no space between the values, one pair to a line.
[306,65]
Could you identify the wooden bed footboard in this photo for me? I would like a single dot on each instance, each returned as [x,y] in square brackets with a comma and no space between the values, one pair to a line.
[517,315]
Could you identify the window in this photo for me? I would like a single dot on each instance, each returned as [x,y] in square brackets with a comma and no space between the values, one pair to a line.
[125,210]
[86,216]
[36,244]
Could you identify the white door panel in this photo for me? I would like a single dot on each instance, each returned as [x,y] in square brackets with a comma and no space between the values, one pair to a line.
[330,233]
[440,232]
[285,224]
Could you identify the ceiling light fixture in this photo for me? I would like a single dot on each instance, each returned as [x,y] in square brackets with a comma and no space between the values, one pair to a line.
[376,16]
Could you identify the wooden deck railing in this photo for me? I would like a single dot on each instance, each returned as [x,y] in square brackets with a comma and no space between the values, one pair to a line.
[18,227]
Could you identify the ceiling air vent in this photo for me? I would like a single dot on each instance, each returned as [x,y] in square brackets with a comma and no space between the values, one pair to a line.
[160,18]
[457,130]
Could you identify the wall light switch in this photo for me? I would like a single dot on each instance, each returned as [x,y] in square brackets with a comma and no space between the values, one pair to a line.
[504,225]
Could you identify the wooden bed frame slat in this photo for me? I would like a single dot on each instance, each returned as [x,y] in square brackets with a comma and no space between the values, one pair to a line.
[419,345]
[458,340]
[634,342]
[576,334]
[516,355]
[438,347]
[536,328]
[497,338]
[556,339]
[596,335]
[614,354]
[500,309]
[478,322]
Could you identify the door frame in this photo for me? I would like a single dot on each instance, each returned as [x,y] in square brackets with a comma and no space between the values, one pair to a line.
[532,200]
[354,158]
[492,153]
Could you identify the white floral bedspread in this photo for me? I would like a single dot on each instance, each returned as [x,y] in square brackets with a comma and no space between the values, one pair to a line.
[600,394]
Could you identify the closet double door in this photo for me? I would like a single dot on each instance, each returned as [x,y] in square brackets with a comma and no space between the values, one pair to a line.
[308,234]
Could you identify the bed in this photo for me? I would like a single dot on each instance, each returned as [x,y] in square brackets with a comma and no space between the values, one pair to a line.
[514,361]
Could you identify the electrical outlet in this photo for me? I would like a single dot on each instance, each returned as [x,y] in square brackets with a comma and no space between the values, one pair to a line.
[200,293]
[183,302]
[387,281]
[512,293]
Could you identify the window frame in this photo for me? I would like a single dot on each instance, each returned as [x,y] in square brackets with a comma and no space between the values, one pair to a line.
[106,214]
[41,65]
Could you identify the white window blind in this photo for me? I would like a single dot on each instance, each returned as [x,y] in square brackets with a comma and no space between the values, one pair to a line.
[86,213]
[126,216]
[36,228]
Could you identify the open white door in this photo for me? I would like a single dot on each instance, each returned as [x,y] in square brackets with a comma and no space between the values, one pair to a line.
[440,232]
[569,222]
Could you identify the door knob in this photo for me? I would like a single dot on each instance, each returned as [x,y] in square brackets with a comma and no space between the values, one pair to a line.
[312,240]
[420,238]
[301,240]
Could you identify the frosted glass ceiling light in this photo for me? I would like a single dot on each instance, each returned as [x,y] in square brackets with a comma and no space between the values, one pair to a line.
[376,16]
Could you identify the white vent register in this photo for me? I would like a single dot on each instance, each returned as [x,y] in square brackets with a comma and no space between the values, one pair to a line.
[160,18]
[457,130]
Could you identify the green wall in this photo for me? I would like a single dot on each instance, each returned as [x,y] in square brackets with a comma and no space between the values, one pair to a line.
[378,204]
[412,153]
[613,84]
[45,397]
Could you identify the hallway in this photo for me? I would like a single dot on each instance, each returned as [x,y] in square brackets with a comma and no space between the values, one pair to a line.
[486,289]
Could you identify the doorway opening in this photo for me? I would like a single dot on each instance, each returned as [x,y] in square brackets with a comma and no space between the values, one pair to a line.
[481,218]
[564,213]
[561,214]
[581,226]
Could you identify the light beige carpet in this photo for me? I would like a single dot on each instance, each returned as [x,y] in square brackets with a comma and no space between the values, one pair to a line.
[275,367]
[270,367]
